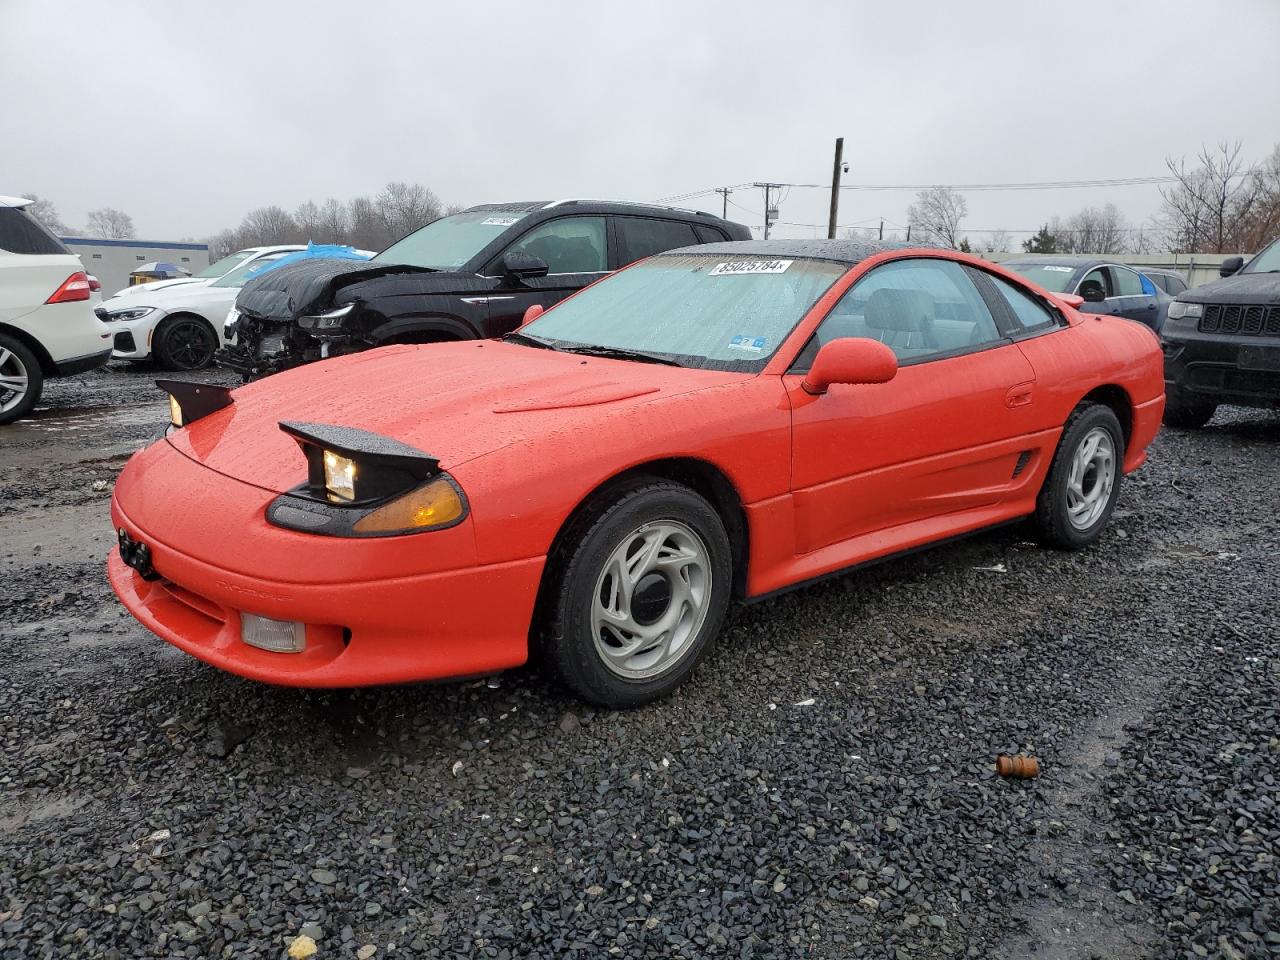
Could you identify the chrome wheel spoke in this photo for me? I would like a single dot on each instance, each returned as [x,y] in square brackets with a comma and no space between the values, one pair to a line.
[1091,478]
[651,599]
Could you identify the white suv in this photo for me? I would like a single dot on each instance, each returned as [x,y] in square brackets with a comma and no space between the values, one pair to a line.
[47,324]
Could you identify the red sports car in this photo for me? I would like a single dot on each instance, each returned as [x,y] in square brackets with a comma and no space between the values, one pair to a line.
[717,423]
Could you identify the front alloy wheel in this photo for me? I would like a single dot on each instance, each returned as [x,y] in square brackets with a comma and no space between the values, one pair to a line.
[185,343]
[1084,479]
[640,595]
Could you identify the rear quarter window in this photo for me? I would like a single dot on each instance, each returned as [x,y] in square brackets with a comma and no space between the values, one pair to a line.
[22,233]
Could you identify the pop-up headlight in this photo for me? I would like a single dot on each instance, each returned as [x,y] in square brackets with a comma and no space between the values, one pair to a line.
[362,484]
[188,402]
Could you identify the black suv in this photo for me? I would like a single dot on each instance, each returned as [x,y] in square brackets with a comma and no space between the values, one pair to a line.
[471,275]
[1222,342]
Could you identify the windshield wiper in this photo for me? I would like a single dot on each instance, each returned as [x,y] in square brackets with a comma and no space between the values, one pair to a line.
[620,353]
[527,340]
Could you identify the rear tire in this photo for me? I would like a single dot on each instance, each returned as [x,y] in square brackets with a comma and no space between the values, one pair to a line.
[1084,480]
[641,597]
[184,342]
[1187,416]
[21,379]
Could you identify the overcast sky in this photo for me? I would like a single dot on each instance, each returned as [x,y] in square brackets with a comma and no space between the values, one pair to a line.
[188,115]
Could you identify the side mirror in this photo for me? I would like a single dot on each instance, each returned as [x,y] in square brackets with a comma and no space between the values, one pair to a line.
[517,267]
[1092,291]
[1230,266]
[850,360]
[533,313]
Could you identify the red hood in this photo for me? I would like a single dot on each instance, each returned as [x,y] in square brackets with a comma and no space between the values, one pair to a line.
[454,401]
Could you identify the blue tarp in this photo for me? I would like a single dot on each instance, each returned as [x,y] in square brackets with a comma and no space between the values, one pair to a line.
[322,251]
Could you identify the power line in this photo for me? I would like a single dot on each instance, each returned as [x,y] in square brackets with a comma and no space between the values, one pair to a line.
[1032,185]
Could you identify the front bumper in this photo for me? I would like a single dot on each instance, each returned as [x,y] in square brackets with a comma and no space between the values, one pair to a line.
[1241,370]
[131,339]
[380,610]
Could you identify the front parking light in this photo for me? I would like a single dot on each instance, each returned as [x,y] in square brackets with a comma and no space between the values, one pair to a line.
[277,636]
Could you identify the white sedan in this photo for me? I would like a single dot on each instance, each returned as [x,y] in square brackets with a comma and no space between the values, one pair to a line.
[180,326]
[210,273]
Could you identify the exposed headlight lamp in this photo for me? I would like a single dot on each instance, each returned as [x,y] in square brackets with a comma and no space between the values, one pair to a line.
[362,484]
[328,324]
[188,402]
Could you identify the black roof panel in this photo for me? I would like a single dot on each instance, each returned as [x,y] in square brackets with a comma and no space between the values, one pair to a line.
[841,251]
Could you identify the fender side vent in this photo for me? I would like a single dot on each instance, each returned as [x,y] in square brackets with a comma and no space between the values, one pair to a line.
[1023,459]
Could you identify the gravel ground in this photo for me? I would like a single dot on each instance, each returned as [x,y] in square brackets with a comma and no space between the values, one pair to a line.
[823,788]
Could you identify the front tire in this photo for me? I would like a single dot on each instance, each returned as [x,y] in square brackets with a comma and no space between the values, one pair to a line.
[1187,416]
[184,342]
[21,379]
[1084,480]
[642,596]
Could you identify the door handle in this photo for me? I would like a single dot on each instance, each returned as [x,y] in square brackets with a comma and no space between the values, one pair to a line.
[1019,396]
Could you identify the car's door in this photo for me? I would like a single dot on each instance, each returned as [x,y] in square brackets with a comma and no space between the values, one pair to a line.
[1102,277]
[576,251]
[640,237]
[940,437]
[1135,295]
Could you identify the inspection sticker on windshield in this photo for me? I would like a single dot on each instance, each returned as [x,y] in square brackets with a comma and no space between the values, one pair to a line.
[1057,269]
[498,221]
[749,266]
[749,344]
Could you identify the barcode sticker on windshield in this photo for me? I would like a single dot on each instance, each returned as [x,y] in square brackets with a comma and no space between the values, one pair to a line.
[1058,269]
[749,266]
[498,221]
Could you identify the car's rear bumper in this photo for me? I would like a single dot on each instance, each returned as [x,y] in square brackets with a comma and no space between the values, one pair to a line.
[74,365]
[447,624]
[1215,369]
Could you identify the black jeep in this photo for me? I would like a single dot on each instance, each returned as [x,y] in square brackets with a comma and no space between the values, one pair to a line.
[1222,341]
[468,276]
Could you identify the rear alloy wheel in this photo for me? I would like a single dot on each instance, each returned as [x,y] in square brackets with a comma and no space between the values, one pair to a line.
[21,379]
[184,343]
[1187,416]
[642,597]
[1084,480]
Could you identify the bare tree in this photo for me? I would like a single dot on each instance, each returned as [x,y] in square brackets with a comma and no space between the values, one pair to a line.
[998,241]
[1260,224]
[365,228]
[935,217]
[1205,208]
[269,225]
[110,223]
[307,220]
[1092,230]
[453,208]
[44,211]
[404,207]
[332,224]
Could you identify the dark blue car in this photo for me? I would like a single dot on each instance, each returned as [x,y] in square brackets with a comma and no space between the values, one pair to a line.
[1107,286]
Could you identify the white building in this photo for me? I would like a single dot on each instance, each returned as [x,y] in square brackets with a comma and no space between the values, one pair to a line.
[111,261]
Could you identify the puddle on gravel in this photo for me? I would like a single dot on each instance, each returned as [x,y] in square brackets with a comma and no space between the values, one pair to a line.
[45,420]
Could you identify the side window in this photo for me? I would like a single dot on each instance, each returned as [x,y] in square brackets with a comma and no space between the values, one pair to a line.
[919,308]
[568,245]
[22,233]
[1127,282]
[640,237]
[708,234]
[1174,285]
[1028,312]
[1099,276]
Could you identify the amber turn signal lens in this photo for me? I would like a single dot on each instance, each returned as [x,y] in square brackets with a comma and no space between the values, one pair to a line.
[433,505]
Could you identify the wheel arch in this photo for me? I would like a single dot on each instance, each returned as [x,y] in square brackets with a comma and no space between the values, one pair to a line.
[47,366]
[439,325]
[701,476]
[1117,398]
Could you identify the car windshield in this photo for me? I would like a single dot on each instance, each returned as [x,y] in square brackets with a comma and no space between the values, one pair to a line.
[713,311]
[236,278]
[1267,261]
[450,242]
[224,265]
[1053,277]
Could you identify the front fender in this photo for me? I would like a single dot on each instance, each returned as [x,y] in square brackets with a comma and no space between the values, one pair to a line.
[437,325]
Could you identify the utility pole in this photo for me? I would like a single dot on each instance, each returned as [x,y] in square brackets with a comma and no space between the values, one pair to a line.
[724,192]
[835,188]
[770,212]
[882,228]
